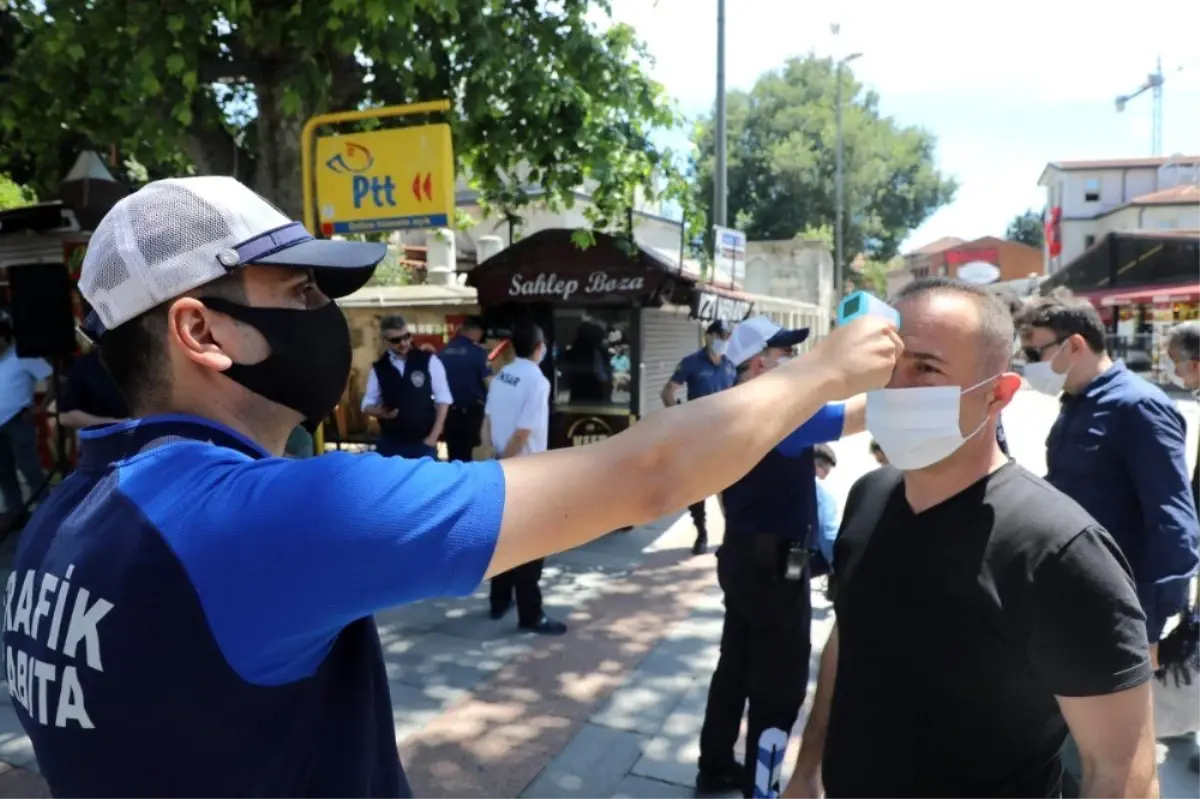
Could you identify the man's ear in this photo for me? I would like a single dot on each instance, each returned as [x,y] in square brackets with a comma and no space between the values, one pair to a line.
[1007,386]
[198,332]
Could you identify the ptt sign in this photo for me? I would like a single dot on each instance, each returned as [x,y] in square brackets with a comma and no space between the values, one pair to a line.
[385,180]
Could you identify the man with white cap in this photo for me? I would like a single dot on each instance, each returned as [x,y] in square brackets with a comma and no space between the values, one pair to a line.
[763,569]
[191,614]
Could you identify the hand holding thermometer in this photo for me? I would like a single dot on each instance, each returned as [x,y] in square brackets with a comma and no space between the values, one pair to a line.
[860,303]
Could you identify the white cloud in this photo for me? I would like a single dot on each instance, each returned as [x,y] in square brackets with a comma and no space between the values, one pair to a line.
[1004,92]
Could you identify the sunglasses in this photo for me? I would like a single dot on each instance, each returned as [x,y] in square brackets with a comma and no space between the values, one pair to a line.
[1035,354]
[399,339]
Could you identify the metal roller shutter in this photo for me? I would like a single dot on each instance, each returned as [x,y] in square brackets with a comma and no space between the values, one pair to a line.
[20,250]
[667,334]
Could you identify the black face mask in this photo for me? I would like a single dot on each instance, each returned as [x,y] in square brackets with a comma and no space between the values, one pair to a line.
[309,362]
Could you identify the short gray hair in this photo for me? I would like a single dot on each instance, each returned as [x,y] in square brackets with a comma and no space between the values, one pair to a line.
[996,331]
[393,322]
[1185,337]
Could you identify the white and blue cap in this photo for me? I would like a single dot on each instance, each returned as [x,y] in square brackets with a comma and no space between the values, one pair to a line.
[173,236]
[759,333]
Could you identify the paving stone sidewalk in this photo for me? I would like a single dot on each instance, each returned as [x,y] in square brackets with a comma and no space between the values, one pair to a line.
[612,709]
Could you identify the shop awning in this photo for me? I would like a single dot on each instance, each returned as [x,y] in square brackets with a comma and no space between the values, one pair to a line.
[1183,292]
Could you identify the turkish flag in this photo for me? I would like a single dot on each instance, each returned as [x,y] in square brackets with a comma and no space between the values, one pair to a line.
[1053,231]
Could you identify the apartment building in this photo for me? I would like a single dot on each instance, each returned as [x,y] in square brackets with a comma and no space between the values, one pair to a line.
[1087,200]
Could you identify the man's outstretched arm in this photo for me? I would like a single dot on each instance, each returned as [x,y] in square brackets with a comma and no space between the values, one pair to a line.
[564,498]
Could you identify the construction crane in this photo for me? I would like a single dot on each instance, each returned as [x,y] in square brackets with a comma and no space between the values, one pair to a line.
[1154,84]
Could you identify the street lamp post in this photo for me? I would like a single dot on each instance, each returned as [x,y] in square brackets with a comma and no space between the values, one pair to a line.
[719,190]
[839,181]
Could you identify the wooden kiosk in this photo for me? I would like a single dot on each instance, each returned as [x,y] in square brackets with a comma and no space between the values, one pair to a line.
[617,318]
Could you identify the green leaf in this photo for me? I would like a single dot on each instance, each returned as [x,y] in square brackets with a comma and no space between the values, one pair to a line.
[176,64]
[292,101]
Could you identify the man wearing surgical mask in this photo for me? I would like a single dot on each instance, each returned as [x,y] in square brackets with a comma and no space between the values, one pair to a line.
[980,614]
[704,372]
[1118,448]
[1183,348]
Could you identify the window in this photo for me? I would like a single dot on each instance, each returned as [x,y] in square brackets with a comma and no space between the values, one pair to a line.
[1088,241]
[1091,190]
[1168,224]
[592,357]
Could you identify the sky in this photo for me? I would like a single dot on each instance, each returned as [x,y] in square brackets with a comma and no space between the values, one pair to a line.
[1004,93]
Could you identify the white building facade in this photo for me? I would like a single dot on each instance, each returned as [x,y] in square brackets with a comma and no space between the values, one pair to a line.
[1090,199]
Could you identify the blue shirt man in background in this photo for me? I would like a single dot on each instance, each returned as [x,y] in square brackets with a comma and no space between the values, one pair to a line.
[468,375]
[187,597]
[1118,448]
[763,569]
[706,371]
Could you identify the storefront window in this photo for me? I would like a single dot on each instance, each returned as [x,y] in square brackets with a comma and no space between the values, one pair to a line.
[592,358]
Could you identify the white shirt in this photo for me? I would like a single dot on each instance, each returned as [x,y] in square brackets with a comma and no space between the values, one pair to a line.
[18,382]
[437,377]
[519,399]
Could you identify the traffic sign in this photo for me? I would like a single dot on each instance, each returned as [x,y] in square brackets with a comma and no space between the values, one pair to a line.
[398,179]
[729,251]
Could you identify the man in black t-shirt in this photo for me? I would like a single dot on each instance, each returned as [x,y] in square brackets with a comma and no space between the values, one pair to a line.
[981,614]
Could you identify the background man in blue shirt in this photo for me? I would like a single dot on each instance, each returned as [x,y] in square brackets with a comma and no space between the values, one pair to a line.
[186,597]
[468,375]
[762,566]
[1118,449]
[706,371]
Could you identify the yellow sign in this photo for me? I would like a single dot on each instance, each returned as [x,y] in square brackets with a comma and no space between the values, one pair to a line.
[395,179]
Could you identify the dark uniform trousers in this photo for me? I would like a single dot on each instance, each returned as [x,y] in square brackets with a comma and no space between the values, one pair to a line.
[522,581]
[765,649]
[698,516]
[463,424]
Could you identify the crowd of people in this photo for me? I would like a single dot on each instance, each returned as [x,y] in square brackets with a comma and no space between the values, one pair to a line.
[984,616]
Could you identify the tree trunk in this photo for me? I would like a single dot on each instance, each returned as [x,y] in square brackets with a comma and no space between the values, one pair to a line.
[277,173]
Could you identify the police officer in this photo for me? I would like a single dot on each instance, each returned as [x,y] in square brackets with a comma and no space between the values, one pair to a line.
[408,394]
[706,371]
[518,424]
[468,375]
[202,577]
[763,569]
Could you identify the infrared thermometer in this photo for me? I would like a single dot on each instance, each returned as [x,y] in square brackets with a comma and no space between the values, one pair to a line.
[860,303]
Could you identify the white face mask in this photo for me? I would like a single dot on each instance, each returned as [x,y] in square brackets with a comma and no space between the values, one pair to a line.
[718,346]
[1041,376]
[918,427]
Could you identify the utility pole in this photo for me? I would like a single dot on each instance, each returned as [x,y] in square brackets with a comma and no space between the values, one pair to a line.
[719,189]
[839,199]
[839,263]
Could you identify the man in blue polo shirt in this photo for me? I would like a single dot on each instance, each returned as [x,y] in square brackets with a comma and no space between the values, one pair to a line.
[190,614]
[763,569]
[1118,448]
[706,371]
